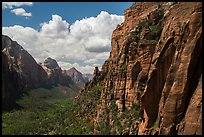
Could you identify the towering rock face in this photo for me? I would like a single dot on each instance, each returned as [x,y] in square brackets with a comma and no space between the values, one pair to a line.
[20,72]
[175,73]
[155,63]
[77,77]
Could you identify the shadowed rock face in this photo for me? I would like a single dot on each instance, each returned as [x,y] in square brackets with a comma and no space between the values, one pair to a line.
[20,73]
[156,62]
[51,63]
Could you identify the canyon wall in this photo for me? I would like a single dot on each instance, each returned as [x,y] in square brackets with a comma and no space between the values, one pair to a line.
[154,72]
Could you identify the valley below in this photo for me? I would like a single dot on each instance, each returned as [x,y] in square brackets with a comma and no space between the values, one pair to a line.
[43,112]
[40,111]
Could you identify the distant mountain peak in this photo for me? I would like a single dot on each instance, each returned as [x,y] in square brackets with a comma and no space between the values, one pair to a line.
[51,63]
[73,71]
[73,68]
[76,76]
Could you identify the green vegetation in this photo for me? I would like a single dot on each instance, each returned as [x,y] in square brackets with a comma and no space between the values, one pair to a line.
[113,107]
[55,112]
[50,112]
[85,110]
[42,112]
[144,24]
[155,29]
[184,24]
[156,124]
[135,45]
[144,41]
[126,119]
[160,10]
[123,68]
[132,37]
[133,112]
[183,121]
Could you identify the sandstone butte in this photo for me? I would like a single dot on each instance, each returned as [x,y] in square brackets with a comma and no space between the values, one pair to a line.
[156,64]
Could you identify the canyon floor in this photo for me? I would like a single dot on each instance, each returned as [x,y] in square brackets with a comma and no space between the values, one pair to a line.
[43,111]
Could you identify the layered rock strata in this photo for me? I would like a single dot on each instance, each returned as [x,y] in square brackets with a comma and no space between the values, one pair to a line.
[155,63]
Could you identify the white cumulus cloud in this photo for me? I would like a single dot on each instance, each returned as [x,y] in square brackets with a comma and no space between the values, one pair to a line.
[83,44]
[10,5]
[55,26]
[21,12]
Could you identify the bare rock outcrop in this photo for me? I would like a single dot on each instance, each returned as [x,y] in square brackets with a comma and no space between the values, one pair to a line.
[155,64]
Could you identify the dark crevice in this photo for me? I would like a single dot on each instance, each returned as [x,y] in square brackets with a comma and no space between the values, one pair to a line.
[194,73]
[151,62]
[124,75]
[157,81]
[135,71]
[172,73]
[166,46]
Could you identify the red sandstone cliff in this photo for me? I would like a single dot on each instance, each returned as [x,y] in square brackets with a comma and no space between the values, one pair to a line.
[154,69]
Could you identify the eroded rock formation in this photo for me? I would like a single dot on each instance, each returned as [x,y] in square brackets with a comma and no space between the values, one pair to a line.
[155,65]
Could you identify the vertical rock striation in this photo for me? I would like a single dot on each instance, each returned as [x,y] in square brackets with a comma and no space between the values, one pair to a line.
[155,64]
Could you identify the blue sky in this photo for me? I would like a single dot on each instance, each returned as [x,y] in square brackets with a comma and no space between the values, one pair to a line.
[75,34]
[70,11]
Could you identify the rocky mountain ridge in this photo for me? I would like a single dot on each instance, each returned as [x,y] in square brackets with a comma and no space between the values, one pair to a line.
[152,81]
[20,73]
